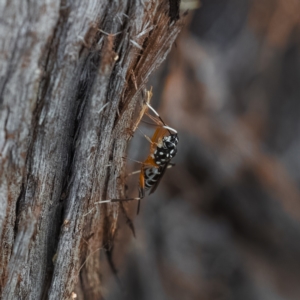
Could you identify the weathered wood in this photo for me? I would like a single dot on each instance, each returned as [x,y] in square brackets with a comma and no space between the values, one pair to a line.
[72,73]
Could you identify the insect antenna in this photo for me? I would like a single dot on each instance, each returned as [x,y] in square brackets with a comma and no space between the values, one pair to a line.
[156,113]
[160,119]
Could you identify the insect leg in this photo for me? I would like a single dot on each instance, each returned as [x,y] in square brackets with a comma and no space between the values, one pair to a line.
[113,268]
[146,137]
[141,188]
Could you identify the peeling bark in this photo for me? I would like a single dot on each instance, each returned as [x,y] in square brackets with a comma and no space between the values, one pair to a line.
[72,76]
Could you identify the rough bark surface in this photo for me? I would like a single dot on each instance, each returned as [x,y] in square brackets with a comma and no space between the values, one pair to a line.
[71,80]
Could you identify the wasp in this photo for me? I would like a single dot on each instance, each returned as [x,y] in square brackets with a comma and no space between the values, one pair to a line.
[163,147]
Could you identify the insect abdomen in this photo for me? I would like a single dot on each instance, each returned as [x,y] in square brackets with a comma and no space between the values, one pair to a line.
[151,176]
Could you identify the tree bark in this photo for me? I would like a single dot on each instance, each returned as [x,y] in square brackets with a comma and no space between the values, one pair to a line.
[71,83]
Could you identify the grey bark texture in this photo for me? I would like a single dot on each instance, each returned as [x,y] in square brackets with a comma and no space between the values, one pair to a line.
[71,82]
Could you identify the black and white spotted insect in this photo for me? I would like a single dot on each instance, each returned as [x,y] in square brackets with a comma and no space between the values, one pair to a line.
[165,148]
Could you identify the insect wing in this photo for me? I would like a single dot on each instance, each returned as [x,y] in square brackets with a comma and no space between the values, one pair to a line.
[159,133]
[162,172]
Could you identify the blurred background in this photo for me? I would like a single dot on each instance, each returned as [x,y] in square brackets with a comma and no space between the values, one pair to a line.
[224,223]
